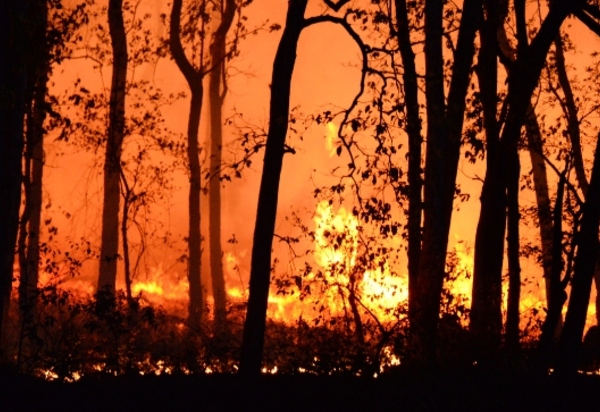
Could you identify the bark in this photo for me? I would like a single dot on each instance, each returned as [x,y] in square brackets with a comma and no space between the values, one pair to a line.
[217,91]
[13,80]
[30,225]
[413,129]
[444,132]
[489,243]
[581,284]
[109,250]
[260,272]
[194,79]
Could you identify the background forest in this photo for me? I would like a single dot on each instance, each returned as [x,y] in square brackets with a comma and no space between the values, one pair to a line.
[321,187]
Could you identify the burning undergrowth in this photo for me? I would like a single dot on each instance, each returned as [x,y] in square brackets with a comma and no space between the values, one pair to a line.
[342,311]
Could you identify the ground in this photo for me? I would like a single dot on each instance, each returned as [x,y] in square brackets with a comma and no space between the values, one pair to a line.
[469,390]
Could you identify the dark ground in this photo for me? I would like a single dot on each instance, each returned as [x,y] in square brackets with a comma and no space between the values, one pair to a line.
[469,390]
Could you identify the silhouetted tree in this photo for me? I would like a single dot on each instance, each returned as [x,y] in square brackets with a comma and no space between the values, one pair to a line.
[109,251]
[217,92]
[14,16]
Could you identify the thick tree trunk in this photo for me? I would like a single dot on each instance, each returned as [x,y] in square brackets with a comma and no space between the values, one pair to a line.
[544,209]
[444,132]
[13,81]
[109,250]
[260,272]
[487,71]
[413,129]
[581,284]
[217,91]
[194,79]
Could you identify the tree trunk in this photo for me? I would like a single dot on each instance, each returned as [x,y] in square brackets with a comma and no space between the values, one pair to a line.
[487,71]
[194,79]
[581,284]
[260,272]
[413,129]
[30,225]
[489,244]
[544,209]
[217,92]
[13,83]
[109,251]
[513,246]
[444,132]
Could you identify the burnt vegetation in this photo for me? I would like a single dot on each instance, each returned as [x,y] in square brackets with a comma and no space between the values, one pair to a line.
[362,275]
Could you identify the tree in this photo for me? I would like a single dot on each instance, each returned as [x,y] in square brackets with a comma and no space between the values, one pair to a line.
[109,252]
[217,92]
[13,83]
[260,272]
[445,116]
[194,77]
[489,243]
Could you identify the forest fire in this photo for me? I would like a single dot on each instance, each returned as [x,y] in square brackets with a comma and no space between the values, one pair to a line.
[420,188]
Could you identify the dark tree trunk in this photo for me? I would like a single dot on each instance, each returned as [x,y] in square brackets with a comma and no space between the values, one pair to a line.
[260,273]
[581,284]
[13,83]
[444,132]
[489,244]
[109,251]
[30,225]
[487,71]
[513,249]
[544,209]
[413,129]
[217,91]
[194,79]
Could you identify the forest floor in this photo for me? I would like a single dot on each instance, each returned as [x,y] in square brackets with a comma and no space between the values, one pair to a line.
[469,390]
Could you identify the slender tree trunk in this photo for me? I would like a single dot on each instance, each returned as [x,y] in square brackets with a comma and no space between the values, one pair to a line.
[194,79]
[513,246]
[260,272]
[217,91]
[544,209]
[13,83]
[538,166]
[489,243]
[109,251]
[413,129]
[126,257]
[575,137]
[30,225]
[444,132]
[581,284]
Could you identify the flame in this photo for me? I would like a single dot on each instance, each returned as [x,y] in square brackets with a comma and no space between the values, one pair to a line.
[331,134]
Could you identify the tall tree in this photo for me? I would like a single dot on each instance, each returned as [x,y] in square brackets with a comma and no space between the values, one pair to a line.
[217,92]
[13,80]
[260,272]
[445,116]
[489,242]
[109,251]
[415,140]
[30,225]
[194,76]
